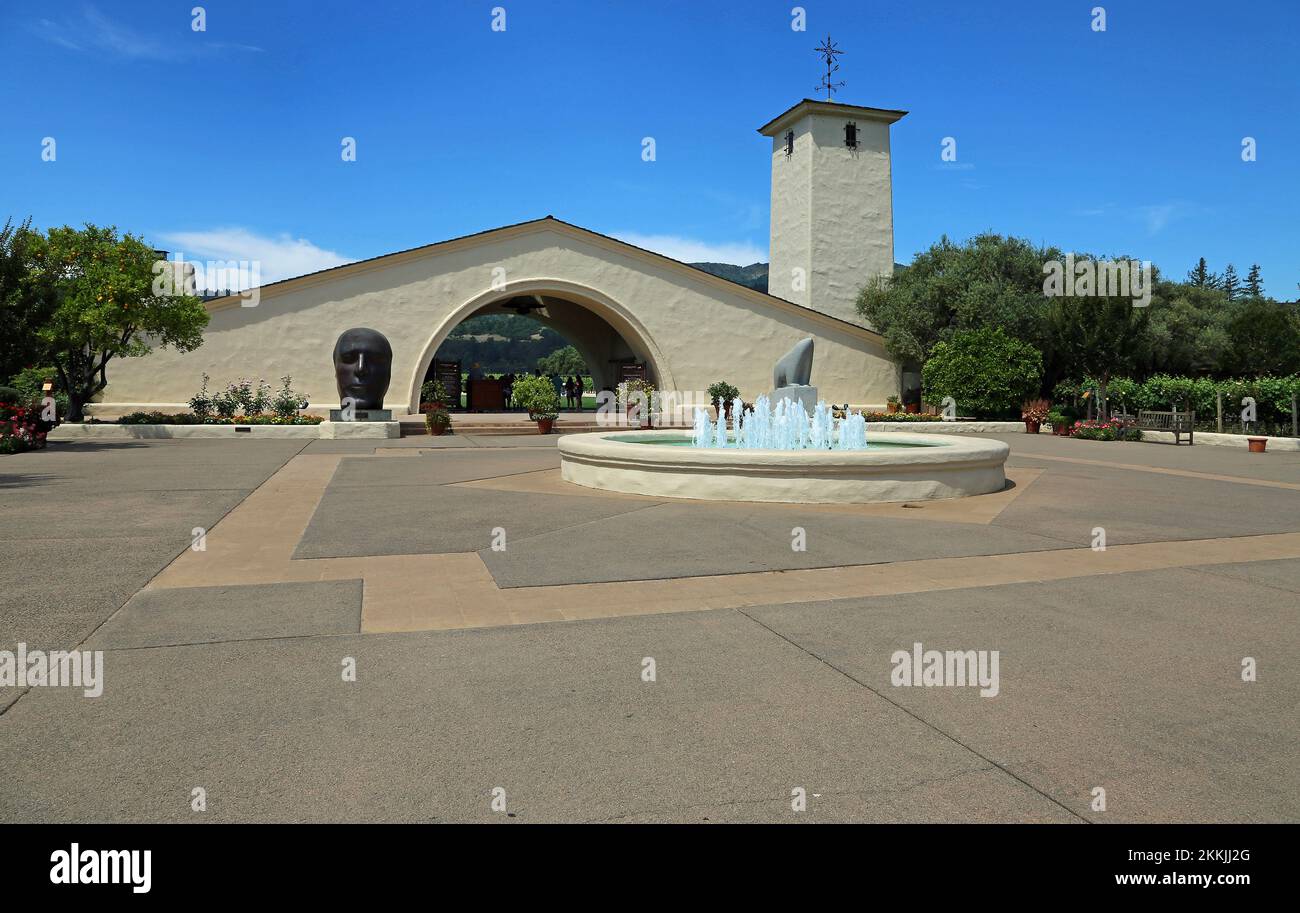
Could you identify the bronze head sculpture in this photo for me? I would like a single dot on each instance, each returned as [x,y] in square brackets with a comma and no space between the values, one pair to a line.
[363,363]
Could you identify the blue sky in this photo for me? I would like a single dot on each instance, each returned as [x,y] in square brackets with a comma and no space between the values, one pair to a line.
[226,143]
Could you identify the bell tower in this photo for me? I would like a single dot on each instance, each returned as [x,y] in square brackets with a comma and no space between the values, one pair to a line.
[832,204]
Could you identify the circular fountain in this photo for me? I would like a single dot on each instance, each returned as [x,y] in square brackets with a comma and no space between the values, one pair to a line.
[784,454]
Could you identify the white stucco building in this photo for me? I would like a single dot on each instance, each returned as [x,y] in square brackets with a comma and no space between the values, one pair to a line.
[831,231]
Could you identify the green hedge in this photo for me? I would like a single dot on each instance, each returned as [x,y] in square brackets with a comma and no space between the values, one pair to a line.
[1162,391]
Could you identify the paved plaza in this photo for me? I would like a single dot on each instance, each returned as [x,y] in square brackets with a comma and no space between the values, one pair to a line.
[501,623]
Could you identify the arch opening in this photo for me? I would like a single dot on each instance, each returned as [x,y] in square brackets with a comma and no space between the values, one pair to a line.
[608,338]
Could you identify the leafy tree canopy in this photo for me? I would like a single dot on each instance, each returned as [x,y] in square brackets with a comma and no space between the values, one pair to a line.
[989,281]
[566,361]
[21,311]
[102,301]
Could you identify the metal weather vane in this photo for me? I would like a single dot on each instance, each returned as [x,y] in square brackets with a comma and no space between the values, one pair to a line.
[829,52]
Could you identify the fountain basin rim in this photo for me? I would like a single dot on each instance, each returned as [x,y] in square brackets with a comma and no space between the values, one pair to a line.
[945,467]
[927,450]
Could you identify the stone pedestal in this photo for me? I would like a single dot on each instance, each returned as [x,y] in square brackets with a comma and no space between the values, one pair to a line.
[798,393]
[363,415]
[331,431]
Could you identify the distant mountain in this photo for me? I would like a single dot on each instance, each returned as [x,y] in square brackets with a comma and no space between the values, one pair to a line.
[753,276]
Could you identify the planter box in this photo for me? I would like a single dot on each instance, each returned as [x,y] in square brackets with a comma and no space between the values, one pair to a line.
[326,430]
[115,432]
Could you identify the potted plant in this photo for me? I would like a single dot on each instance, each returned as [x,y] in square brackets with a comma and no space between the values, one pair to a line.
[893,403]
[437,419]
[724,396]
[537,397]
[433,395]
[1060,424]
[640,395]
[1034,413]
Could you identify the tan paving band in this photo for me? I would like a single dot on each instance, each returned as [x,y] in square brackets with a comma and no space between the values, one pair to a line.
[255,544]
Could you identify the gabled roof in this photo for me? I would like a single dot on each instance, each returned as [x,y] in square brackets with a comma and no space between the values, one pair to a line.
[813,106]
[548,223]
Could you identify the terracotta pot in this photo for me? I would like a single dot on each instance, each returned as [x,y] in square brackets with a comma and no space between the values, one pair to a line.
[1031,427]
[913,408]
[544,425]
[1256,444]
[893,407]
[436,430]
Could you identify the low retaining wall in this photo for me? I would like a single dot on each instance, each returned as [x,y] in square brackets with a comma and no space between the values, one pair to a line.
[1215,439]
[949,427]
[325,430]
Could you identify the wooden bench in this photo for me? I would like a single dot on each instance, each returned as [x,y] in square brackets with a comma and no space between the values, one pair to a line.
[1176,423]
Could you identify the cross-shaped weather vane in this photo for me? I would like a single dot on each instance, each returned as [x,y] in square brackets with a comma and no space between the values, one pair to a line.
[829,52]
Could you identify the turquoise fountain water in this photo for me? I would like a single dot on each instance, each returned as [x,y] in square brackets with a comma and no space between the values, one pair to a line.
[787,426]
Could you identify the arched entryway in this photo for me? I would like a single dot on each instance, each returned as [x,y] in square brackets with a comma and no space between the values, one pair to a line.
[601,329]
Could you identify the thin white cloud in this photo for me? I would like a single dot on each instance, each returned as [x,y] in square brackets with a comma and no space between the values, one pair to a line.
[691,250]
[94,30]
[52,31]
[1158,216]
[276,258]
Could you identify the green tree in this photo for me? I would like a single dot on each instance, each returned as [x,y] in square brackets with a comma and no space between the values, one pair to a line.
[1265,339]
[1230,284]
[104,304]
[1187,330]
[985,371]
[1100,337]
[1200,275]
[1254,287]
[21,312]
[989,281]
[563,361]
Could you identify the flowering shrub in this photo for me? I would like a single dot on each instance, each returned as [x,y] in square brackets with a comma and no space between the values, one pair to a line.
[1035,410]
[241,403]
[286,403]
[20,428]
[1113,430]
[901,417]
[189,418]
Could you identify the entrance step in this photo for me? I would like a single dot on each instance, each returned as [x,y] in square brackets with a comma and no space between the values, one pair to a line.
[413,426]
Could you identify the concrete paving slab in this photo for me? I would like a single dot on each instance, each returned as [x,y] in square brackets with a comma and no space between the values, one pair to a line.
[556,715]
[1069,500]
[1131,677]
[1279,467]
[85,526]
[698,539]
[419,442]
[440,468]
[1282,575]
[369,520]
[59,590]
[63,513]
[196,615]
[544,441]
[1131,683]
